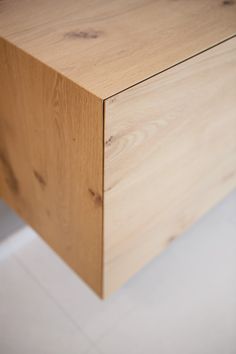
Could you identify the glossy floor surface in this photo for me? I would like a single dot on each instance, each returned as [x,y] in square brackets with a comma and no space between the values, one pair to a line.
[183,302]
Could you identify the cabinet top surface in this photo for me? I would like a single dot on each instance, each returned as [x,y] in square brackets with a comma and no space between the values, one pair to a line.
[107,46]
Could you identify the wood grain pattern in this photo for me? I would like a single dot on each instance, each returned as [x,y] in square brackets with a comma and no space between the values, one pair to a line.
[51,154]
[170,154]
[169,141]
[106,46]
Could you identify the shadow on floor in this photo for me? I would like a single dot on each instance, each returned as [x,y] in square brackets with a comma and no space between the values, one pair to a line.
[9,221]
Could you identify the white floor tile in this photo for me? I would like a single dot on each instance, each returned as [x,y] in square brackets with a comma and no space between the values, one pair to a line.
[30,322]
[226,209]
[91,313]
[93,351]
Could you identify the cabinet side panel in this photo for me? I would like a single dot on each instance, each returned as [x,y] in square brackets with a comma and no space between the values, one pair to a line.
[170,154]
[51,159]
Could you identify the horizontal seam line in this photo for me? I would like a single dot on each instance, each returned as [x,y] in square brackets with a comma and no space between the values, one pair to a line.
[170,67]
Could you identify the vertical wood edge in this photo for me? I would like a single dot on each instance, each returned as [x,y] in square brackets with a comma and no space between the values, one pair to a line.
[103,295]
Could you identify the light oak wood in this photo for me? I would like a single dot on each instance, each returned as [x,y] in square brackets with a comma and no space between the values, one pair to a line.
[106,177]
[170,154]
[106,46]
[51,152]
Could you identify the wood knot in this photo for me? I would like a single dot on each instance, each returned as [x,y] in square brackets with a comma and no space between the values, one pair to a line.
[171,239]
[96,197]
[89,34]
[228,2]
[40,179]
[109,141]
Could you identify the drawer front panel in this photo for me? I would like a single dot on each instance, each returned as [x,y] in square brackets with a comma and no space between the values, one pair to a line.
[170,154]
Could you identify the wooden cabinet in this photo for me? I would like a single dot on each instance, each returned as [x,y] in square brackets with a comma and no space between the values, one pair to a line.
[117,124]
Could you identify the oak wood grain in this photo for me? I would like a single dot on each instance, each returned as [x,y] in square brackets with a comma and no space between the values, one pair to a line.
[169,137]
[51,153]
[106,46]
[170,154]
